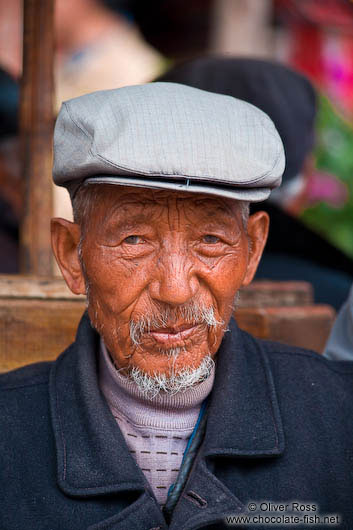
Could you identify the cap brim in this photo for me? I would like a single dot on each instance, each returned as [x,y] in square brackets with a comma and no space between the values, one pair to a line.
[185,185]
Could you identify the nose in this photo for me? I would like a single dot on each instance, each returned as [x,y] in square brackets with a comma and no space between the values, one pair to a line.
[176,281]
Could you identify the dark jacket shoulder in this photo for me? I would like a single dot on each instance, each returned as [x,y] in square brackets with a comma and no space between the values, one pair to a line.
[30,375]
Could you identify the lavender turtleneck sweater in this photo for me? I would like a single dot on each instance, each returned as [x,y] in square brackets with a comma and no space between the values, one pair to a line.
[156,431]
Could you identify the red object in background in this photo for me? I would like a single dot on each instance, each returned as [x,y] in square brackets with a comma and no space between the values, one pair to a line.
[326,187]
[309,38]
[321,44]
[332,13]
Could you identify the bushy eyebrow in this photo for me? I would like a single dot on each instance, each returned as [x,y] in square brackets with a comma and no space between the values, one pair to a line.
[215,207]
[217,215]
[212,201]
[221,214]
[127,212]
[124,225]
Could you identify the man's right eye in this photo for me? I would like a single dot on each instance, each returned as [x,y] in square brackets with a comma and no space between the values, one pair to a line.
[133,240]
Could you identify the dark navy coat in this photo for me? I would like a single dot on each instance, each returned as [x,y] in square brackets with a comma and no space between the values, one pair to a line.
[280,429]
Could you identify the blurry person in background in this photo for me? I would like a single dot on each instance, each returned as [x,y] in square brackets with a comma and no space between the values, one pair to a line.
[339,346]
[98,48]
[293,251]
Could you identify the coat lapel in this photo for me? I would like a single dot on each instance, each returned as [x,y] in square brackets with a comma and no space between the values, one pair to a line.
[92,457]
[244,416]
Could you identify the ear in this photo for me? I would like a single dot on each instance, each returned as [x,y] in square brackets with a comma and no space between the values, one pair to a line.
[65,238]
[258,225]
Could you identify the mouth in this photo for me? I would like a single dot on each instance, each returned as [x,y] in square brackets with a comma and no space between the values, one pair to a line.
[173,336]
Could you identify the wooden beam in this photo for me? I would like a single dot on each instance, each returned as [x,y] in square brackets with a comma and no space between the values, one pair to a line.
[257,294]
[39,316]
[265,293]
[304,326]
[36,330]
[33,330]
[26,287]
[36,122]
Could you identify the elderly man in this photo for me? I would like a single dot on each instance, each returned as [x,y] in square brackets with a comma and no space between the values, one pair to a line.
[163,414]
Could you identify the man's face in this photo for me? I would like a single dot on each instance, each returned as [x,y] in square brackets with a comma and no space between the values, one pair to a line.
[162,270]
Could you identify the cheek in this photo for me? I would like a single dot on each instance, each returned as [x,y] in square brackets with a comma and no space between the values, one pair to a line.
[116,282]
[227,279]
[116,287]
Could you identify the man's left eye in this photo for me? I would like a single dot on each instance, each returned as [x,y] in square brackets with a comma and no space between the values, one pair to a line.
[208,238]
[133,240]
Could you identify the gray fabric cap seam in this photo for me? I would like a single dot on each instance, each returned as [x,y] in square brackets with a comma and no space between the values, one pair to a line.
[210,177]
[82,129]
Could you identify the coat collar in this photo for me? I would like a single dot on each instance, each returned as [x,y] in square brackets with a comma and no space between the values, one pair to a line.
[92,457]
[244,417]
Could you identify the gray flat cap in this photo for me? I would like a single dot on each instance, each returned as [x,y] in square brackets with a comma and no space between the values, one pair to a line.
[168,136]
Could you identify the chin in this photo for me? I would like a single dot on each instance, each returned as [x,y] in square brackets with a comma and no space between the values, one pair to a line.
[171,380]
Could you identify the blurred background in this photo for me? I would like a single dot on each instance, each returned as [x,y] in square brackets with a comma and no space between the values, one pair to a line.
[102,44]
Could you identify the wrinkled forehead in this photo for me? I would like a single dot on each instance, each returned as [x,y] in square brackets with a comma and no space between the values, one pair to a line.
[126,201]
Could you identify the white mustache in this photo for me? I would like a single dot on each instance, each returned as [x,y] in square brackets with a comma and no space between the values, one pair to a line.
[193,313]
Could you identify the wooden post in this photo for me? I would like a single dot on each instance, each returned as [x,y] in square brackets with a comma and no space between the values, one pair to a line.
[36,122]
